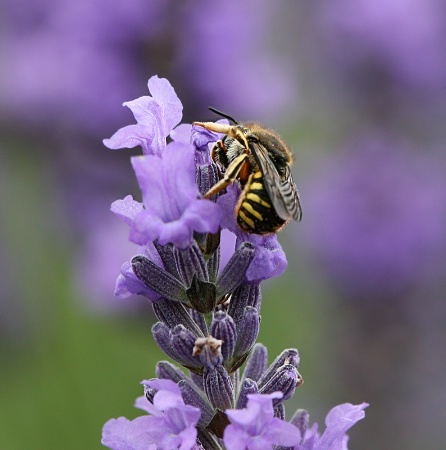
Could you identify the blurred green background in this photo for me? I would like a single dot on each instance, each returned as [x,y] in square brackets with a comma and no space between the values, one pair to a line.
[363,295]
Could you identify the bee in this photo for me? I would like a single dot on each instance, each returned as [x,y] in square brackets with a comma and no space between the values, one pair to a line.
[260,161]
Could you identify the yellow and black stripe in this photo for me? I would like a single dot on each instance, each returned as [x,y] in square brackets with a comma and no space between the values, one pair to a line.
[255,213]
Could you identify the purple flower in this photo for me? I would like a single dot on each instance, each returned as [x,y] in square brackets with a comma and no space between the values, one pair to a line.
[171,425]
[172,210]
[338,421]
[156,117]
[74,62]
[375,216]
[405,40]
[269,260]
[215,65]
[96,272]
[256,428]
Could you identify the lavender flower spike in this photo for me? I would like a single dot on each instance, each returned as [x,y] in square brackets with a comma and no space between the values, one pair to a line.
[256,428]
[203,275]
[156,117]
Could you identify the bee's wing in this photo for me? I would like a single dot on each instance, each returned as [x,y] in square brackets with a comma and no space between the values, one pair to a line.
[290,196]
[283,192]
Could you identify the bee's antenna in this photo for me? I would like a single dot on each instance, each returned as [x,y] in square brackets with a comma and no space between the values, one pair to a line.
[222,114]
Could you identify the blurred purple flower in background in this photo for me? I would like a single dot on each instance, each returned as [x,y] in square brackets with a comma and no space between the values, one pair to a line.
[73,62]
[403,41]
[224,58]
[377,215]
[95,273]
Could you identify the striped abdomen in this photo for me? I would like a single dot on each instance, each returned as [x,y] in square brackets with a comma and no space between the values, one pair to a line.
[254,211]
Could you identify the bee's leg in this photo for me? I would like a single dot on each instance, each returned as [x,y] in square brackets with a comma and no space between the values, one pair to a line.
[239,164]
[218,155]
[233,131]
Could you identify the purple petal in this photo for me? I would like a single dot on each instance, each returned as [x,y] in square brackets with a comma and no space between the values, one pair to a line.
[146,110]
[188,438]
[339,420]
[156,117]
[126,209]
[148,170]
[123,434]
[182,133]
[203,216]
[235,438]
[310,439]
[172,208]
[259,410]
[176,232]
[142,403]
[162,385]
[155,428]
[259,443]
[128,284]
[168,184]
[146,228]
[179,174]
[132,136]
[269,260]
[257,428]
[346,411]
[163,92]
[283,433]
[262,404]
[167,399]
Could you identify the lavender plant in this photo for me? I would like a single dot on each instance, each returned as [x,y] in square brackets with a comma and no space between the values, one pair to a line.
[208,306]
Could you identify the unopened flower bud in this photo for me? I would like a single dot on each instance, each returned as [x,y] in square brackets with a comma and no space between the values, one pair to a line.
[288,356]
[248,387]
[257,362]
[245,295]
[218,387]
[166,370]
[223,327]
[183,341]
[158,279]
[190,264]
[285,380]
[234,272]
